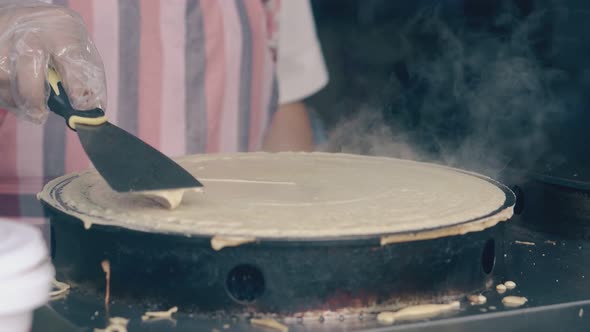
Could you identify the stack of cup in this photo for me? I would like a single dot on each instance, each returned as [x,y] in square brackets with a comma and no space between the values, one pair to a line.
[25,275]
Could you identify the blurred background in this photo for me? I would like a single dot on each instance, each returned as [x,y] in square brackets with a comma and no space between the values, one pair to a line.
[479,84]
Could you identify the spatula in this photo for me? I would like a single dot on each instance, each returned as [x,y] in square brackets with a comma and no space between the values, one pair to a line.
[126,163]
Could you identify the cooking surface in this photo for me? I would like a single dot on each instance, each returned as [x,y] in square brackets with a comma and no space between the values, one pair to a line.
[550,271]
[245,195]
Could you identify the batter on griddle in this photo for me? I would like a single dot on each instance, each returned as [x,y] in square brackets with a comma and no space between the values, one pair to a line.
[300,195]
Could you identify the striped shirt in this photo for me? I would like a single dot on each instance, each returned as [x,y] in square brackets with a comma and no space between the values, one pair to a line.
[186,76]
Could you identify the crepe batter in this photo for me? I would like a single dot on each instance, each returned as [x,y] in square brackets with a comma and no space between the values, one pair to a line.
[169,199]
[297,195]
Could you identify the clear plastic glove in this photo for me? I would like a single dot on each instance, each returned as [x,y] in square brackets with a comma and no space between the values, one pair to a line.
[35,35]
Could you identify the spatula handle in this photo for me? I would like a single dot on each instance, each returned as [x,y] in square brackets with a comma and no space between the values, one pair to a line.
[59,103]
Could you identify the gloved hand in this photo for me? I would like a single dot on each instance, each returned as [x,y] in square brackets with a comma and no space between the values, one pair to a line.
[35,35]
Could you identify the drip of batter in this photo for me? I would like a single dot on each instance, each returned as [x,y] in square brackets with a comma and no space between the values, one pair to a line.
[510,284]
[514,301]
[269,323]
[159,314]
[116,324]
[417,312]
[220,242]
[477,299]
[61,288]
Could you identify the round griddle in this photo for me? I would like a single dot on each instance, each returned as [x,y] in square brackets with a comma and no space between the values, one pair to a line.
[279,275]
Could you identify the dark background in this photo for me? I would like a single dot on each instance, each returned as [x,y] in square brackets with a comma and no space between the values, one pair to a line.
[482,84]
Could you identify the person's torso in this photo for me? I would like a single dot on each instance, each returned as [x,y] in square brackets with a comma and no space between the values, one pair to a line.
[186,76]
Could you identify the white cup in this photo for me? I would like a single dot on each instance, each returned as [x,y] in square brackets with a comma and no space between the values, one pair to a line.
[25,275]
[17,323]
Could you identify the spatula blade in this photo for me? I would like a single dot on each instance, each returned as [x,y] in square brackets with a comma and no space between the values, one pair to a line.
[128,164]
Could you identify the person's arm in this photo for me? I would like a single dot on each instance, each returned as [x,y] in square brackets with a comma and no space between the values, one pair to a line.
[290,129]
[301,72]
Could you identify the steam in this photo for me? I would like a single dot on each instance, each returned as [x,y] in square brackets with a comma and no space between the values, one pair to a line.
[366,133]
[460,97]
